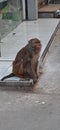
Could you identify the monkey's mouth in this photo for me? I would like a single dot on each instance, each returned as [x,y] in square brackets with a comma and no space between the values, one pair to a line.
[37,49]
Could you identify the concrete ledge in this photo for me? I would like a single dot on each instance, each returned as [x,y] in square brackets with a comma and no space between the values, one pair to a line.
[22,84]
[49,43]
[46,14]
[15,84]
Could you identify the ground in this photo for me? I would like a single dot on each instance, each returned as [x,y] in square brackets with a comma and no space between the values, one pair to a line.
[49,81]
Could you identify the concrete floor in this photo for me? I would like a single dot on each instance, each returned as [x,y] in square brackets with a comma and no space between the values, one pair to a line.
[49,81]
[20,111]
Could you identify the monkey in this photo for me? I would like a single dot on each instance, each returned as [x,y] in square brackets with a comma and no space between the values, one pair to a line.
[26,61]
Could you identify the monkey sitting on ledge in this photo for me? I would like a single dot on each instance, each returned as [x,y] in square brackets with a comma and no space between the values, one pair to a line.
[26,61]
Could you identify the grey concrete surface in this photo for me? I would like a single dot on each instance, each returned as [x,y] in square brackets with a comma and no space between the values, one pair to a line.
[49,81]
[29,111]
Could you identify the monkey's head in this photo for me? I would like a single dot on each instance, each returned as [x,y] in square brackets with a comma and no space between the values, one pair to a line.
[35,44]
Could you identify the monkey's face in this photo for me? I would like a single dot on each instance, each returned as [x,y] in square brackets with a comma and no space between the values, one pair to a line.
[36,45]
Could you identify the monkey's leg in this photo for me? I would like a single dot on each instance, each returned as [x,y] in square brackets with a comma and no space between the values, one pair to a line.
[18,69]
[30,72]
[34,68]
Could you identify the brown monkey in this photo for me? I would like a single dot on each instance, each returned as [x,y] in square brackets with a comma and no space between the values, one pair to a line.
[25,63]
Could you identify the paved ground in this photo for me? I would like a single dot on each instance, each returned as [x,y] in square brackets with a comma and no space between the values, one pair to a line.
[29,111]
[49,81]
[39,108]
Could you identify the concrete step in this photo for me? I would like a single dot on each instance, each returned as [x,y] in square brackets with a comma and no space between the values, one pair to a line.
[46,15]
[14,83]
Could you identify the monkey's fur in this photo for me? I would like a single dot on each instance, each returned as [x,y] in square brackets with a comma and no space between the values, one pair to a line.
[25,63]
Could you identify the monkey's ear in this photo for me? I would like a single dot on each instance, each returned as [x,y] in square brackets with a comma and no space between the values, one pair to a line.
[30,41]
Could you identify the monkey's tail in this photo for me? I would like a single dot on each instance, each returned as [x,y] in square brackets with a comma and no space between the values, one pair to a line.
[8,76]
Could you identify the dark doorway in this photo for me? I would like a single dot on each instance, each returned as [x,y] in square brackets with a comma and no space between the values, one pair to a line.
[26,9]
